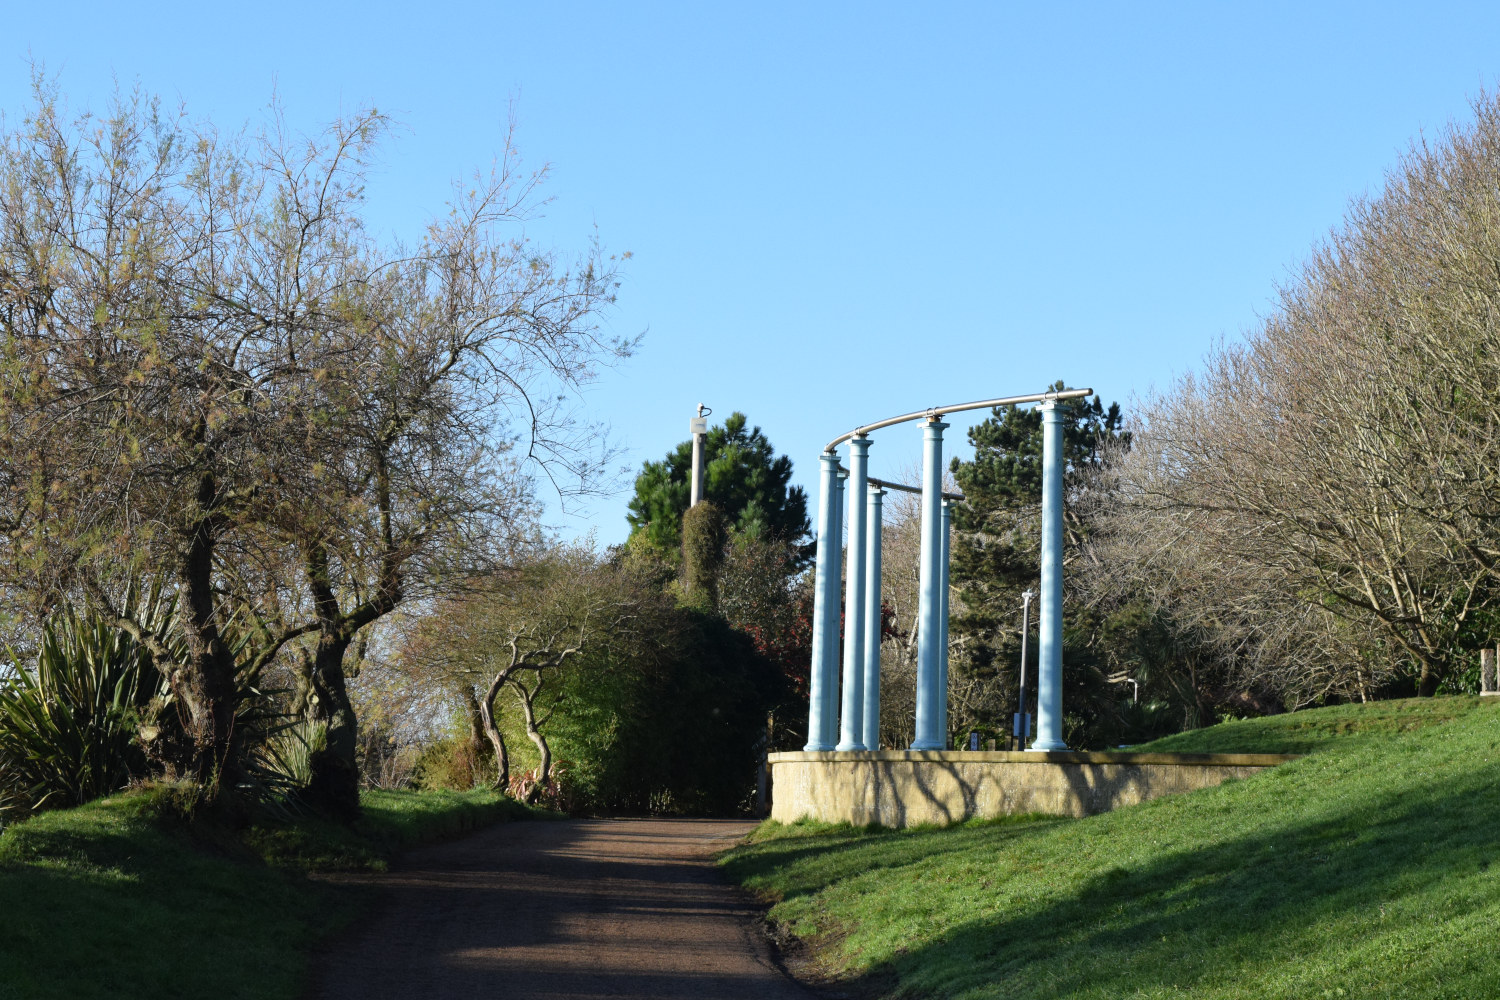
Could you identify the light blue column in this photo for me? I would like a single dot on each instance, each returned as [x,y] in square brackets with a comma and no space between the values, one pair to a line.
[872,619]
[835,617]
[823,680]
[1049,647]
[943,619]
[929,734]
[851,729]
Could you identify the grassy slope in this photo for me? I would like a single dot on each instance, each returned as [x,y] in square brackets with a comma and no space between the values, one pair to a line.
[1371,868]
[115,899]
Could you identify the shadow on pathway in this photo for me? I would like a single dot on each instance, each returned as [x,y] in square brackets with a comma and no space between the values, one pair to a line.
[579,909]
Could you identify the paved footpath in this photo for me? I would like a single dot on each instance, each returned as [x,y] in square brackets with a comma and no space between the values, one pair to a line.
[562,911]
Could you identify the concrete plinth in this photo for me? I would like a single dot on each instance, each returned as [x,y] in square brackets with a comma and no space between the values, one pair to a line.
[898,788]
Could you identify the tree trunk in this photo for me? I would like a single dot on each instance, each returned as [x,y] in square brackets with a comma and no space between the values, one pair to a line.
[479,743]
[205,685]
[334,784]
[544,752]
[487,717]
[1427,682]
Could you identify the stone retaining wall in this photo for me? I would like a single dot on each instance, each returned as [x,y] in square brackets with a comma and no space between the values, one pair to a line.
[899,788]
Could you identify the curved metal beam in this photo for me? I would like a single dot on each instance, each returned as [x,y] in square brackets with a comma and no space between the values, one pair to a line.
[938,411]
[886,484]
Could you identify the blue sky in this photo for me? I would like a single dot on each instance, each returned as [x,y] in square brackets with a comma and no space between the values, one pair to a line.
[839,212]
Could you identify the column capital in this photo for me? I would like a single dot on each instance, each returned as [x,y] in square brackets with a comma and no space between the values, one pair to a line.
[1051,407]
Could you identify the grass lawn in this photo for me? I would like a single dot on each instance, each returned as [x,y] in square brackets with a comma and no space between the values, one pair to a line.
[1370,868]
[118,899]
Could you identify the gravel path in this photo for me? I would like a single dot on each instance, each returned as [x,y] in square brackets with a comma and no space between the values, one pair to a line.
[564,910]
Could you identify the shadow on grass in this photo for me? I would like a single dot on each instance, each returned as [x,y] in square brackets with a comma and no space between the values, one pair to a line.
[1389,894]
[830,848]
[123,910]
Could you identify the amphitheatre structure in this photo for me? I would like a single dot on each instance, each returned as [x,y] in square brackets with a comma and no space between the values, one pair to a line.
[842,774]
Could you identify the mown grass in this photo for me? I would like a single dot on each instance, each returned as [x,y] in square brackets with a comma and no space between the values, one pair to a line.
[1369,868]
[390,822]
[1342,726]
[123,898]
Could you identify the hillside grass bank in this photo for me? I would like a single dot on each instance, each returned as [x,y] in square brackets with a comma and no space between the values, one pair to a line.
[1369,868]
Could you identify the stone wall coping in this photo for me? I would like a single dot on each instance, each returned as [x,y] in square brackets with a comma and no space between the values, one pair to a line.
[1036,757]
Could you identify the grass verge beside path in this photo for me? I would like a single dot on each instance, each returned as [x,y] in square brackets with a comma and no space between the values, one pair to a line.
[120,899]
[1370,868]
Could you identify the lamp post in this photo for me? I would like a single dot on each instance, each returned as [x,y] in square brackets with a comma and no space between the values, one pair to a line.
[698,426]
[1021,727]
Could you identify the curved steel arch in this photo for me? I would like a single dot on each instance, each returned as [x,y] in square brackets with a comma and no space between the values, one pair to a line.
[938,411]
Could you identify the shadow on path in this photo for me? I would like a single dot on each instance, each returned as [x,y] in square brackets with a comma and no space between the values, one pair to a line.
[579,909]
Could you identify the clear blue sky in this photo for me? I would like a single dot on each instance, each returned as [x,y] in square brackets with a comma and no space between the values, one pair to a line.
[843,211]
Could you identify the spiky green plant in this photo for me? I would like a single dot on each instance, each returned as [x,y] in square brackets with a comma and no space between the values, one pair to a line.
[285,757]
[70,723]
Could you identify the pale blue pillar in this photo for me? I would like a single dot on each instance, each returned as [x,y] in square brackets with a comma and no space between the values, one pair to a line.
[835,616]
[823,681]
[929,734]
[943,620]
[872,619]
[852,723]
[1049,647]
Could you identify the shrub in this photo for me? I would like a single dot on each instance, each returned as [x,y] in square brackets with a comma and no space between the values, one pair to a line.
[71,725]
[454,762]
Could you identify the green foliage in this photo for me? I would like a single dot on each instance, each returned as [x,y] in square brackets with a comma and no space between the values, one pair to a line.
[672,731]
[703,540]
[761,595]
[456,763]
[71,723]
[996,550]
[743,477]
[646,704]
[1368,869]
[285,757]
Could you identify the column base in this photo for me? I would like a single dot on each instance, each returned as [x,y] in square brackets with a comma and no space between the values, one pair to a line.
[851,746]
[927,745]
[1042,746]
[818,747]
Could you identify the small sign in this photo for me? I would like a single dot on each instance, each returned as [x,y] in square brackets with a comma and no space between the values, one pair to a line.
[973,741]
[698,425]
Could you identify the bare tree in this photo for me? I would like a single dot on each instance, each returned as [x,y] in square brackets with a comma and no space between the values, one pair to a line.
[1324,497]
[210,367]
[524,628]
